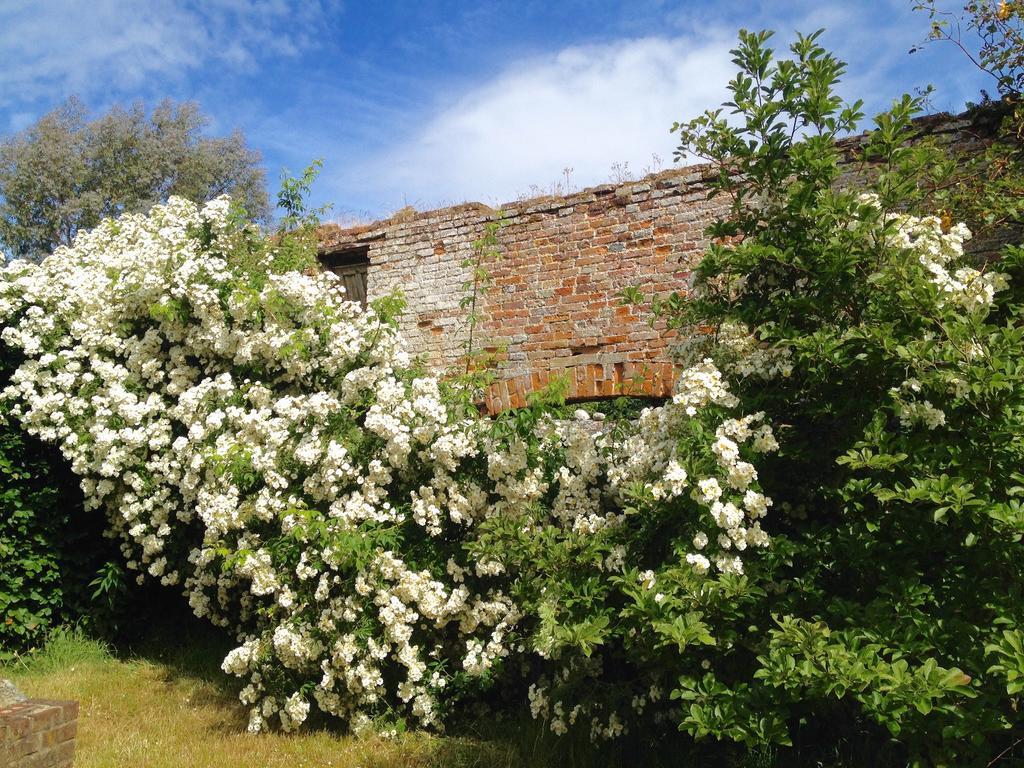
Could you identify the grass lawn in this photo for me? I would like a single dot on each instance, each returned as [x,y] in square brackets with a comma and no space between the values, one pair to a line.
[166,704]
[148,712]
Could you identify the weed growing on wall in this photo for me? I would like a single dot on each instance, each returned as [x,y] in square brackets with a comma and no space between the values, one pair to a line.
[485,251]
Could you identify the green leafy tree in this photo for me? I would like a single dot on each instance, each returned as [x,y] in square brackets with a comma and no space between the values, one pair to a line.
[890,367]
[69,171]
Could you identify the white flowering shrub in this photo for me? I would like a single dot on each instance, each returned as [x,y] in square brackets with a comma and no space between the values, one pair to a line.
[268,448]
[631,542]
[262,443]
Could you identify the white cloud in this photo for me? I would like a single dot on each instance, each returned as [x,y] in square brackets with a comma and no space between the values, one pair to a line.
[587,107]
[54,48]
[584,108]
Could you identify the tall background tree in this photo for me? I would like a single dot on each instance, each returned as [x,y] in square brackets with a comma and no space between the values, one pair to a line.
[69,170]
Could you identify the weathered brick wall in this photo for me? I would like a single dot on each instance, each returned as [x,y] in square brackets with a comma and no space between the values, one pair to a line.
[554,304]
[38,734]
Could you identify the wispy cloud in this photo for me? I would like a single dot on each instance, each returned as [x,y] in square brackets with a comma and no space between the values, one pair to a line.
[52,48]
[431,103]
[587,107]
[584,108]
[876,42]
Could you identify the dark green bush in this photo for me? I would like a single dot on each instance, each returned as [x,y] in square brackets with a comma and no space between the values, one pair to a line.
[50,549]
[894,595]
[30,593]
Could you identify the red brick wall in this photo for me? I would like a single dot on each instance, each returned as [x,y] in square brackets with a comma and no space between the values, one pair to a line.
[553,307]
[38,734]
[554,304]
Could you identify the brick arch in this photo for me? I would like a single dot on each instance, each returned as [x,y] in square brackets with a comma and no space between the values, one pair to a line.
[591,381]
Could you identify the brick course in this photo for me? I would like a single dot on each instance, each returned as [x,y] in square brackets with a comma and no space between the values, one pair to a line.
[554,307]
[38,733]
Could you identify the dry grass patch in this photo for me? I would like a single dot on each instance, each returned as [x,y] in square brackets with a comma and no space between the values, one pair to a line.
[150,713]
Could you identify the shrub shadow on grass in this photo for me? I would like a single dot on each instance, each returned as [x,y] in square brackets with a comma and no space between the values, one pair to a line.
[182,655]
[165,687]
[186,651]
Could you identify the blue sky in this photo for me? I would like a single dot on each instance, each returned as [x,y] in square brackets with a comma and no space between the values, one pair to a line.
[432,103]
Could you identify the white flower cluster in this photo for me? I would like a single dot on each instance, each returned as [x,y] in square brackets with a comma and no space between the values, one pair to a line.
[736,350]
[604,723]
[938,248]
[912,411]
[559,719]
[599,470]
[733,508]
[250,441]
